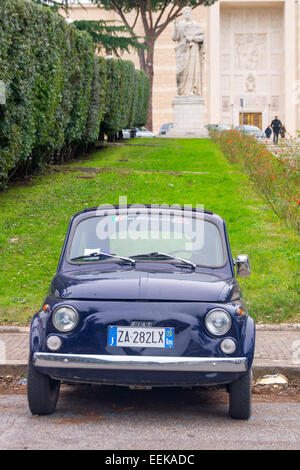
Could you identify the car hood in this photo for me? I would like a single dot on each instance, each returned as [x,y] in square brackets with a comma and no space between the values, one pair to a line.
[144,285]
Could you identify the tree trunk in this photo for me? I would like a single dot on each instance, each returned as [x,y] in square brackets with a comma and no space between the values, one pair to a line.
[146,64]
[149,123]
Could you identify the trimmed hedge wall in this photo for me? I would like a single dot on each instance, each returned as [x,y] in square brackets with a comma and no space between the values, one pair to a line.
[127,99]
[59,94]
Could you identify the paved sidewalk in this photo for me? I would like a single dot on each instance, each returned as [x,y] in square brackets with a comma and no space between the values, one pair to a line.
[277,350]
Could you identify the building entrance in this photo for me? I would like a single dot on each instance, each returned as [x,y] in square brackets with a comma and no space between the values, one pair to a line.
[251,119]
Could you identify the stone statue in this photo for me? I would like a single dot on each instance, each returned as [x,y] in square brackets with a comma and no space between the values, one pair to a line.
[189,54]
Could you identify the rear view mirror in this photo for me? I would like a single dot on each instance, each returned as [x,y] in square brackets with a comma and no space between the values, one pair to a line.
[242,264]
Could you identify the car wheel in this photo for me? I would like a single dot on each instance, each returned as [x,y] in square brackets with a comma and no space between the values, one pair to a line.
[240,397]
[42,392]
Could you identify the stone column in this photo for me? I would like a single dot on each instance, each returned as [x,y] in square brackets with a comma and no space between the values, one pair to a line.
[214,63]
[290,73]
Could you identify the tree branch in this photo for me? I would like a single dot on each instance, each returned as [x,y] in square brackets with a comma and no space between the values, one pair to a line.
[141,53]
[150,17]
[144,18]
[161,14]
[136,18]
[172,16]
[119,10]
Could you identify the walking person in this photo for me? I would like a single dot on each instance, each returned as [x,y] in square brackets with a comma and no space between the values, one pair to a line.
[276,126]
[282,131]
[268,132]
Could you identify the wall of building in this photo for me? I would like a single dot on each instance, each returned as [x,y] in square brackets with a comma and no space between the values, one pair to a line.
[268,87]
[251,62]
[252,52]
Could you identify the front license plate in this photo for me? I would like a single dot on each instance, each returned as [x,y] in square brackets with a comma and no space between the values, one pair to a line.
[128,336]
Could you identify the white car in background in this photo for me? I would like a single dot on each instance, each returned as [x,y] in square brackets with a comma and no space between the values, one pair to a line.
[251,130]
[126,133]
[143,132]
[137,132]
[218,127]
[165,128]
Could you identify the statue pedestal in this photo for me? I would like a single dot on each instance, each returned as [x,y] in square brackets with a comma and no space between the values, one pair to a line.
[188,117]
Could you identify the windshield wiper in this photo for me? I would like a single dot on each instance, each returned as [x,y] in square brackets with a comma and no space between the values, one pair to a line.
[159,254]
[100,254]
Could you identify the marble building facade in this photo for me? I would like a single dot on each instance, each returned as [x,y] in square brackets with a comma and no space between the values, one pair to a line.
[252,53]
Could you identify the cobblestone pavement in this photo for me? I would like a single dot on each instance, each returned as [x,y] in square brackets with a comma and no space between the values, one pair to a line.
[278,347]
[14,348]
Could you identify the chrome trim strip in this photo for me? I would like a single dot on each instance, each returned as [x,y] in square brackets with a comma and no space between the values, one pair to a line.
[154,363]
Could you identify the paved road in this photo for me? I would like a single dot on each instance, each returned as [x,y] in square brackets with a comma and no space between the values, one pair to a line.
[115,419]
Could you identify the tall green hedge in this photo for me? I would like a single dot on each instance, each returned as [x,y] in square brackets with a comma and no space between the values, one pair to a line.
[127,99]
[58,92]
[141,111]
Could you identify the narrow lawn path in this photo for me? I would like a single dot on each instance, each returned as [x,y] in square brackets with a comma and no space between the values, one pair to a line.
[34,218]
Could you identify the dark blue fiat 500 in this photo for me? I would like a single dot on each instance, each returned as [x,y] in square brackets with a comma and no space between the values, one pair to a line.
[144,296]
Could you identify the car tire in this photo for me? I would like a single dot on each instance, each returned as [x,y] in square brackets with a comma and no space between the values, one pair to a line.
[240,397]
[42,392]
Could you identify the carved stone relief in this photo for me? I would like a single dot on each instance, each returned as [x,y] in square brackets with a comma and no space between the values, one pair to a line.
[250,51]
[250,83]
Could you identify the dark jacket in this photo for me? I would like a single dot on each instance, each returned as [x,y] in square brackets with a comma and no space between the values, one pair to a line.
[276,125]
[282,132]
[268,132]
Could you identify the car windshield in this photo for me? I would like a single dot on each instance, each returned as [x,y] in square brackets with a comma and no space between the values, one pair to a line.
[148,238]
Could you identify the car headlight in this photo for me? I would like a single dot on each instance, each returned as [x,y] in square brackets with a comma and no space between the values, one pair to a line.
[218,322]
[65,318]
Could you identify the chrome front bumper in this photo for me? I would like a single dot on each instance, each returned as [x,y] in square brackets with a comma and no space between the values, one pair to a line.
[151,363]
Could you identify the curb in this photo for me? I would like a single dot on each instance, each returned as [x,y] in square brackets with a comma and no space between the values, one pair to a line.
[277,327]
[13,370]
[291,372]
[14,329]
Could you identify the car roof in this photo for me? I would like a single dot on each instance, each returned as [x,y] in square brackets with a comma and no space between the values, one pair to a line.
[137,206]
[91,212]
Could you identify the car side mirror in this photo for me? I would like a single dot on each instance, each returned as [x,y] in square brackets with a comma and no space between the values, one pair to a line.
[242,264]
